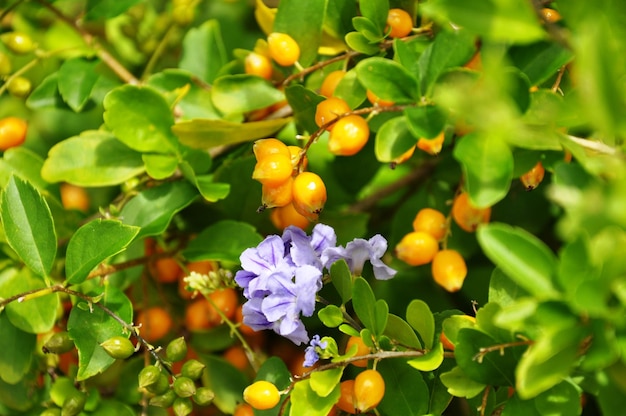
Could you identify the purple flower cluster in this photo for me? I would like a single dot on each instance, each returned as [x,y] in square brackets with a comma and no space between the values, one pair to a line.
[282,275]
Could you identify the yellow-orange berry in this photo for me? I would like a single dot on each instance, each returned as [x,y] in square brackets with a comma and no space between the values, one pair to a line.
[329,85]
[155,322]
[273,170]
[283,217]
[261,395]
[399,23]
[467,216]
[361,349]
[348,136]
[283,49]
[550,15]
[296,154]
[266,147]
[330,109]
[431,221]
[257,64]
[346,398]
[369,390]
[374,99]
[74,197]
[431,146]
[278,195]
[449,270]
[417,248]
[309,195]
[533,177]
[12,132]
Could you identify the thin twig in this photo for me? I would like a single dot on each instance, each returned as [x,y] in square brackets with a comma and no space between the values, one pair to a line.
[593,145]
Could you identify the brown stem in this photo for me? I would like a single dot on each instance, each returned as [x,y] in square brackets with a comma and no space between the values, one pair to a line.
[483,403]
[500,347]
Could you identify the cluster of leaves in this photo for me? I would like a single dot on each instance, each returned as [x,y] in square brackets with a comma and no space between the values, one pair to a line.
[147,105]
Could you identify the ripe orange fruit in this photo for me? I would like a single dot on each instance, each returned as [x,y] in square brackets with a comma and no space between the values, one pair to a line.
[361,349]
[197,315]
[330,83]
[74,197]
[417,248]
[329,110]
[261,395]
[431,146]
[309,195]
[449,270]
[399,23]
[243,409]
[374,99]
[155,323]
[167,270]
[226,300]
[348,136]
[273,170]
[283,217]
[369,389]
[550,15]
[346,398]
[533,177]
[431,221]
[466,215]
[12,132]
[265,147]
[283,49]
[257,64]
[236,355]
[277,195]
[295,152]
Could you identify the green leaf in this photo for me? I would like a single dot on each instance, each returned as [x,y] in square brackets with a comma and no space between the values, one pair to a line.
[350,90]
[209,189]
[376,11]
[304,103]
[503,290]
[306,402]
[17,348]
[160,166]
[204,53]
[142,127]
[307,32]
[429,361]
[387,79]
[93,243]
[419,316]
[95,158]
[460,385]
[37,313]
[488,167]
[21,396]
[368,29]
[406,392]
[541,60]
[237,94]
[522,256]
[425,121]
[28,225]
[323,383]
[23,163]
[342,279]
[154,208]
[372,313]
[399,330]
[46,94]
[226,381]
[393,139]
[77,77]
[562,399]
[206,134]
[222,241]
[358,42]
[106,9]
[331,316]
[90,325]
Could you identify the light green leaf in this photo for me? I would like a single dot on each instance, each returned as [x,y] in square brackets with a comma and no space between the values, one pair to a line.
[368,29]
[222,241]
[160,166]
[342,279]
[488,167]
[17,348]
[304,102]
[323,383]
[460,385]
[237,94]
[95,158]
[522,256]
[46,94]
[77,77]
[140,118]
[503,290]
[358,42]
[211,191]
[28,225]
[93,243]
[387,79]
[204,53]
[393,139]
[23,163]
[376,11]
[305,402]
[425,121]
[419,316]
[331,316]
[429,361]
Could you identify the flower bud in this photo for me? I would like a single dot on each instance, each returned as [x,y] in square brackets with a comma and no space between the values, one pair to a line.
[204,396]
[176,350]
[184,387]
[74,404]
[149,375]
[164,400]
[118,347]
[192,369]
[182,406]
[58,343]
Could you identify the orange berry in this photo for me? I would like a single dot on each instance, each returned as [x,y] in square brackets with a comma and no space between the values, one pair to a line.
[261,395]
[197,315]
[273,170]
[257,64]
[348,136]
[374,99]
[283,49]
[295,152]
[403,157]
[277,196]
[329,110]
[155,323]
[243,409]
[330,83]
[533,177]
[74,197]
[431,146]
[466,215]
[236,355]
[309,195]
[417,248]
[346,398]
[550,15]
[369,389]
[265,147]
[432,222]
[225,300]
[167,270]
[449,270]
[12,132]
[283,217]
[399,23]
[361,349]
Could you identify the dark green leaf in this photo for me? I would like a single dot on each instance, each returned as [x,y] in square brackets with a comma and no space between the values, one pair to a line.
[106,9]
[226,381]
[303,102]
[204,53]
[17,348]
[406,392]
[376,11]
[371,313]
[387,79]
[419,316]
[425,121]
[367,28]
[342,279]
[20,396]
[222,241]
[46,94]
[28,225]
[399,330]
[541,60]
[360,43]
[76,80]
[350,90]
[93,243]
[393,139]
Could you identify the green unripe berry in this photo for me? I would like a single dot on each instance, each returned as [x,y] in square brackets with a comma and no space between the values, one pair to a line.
[51,412]
[182,406]
[20,87]
[5,65]
[18,43]
[161,386]
[58,343]
[192,369]
[184,387]
[164,400]
[118,347]
[204,396]
[74,404]
[149,375]
[176,350]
